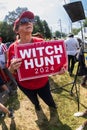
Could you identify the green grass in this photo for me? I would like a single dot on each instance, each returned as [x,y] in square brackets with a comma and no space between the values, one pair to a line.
[26,118]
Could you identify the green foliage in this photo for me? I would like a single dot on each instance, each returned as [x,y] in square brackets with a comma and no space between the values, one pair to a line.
[85,23]
[61,118]
[75,30]
[42,27]
[13,15]
[47,31]
[59,34]
[38,25]
[6,27]
[6,32]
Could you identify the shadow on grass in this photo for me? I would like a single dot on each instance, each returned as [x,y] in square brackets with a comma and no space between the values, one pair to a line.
[74,98]
[53,123]
[65,83]
[13,102]
[5,127]
[13,125]
[55,88]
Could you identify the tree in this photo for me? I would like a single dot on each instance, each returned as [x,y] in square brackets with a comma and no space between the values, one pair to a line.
[38,25]
[6,27]
[12,16]
[47,31]
[57,34]
[6,32]
[85,23]
[75,30]
[42,27]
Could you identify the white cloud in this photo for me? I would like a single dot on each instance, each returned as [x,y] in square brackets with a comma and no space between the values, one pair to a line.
[48,10]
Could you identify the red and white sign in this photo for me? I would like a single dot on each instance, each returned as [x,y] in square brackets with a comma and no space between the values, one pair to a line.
[41,59]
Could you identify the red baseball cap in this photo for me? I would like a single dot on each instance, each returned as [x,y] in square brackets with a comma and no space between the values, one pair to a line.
[26,14]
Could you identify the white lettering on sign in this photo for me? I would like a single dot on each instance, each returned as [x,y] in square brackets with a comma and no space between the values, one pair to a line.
[40,49]
[32,60]
[29,63]
[42,61]
[25,53]
[49,50]
[58,49]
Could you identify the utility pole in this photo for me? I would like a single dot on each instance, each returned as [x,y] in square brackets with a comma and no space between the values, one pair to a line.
[60,27]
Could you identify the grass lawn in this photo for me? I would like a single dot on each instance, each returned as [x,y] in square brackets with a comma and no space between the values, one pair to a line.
[26,118]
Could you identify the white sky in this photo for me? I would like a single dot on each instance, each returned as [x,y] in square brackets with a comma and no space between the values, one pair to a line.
[50,10]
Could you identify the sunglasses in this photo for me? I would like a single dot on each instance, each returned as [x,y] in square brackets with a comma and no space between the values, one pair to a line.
[26,20]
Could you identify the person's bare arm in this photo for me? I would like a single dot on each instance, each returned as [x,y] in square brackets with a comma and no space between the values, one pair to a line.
[15,64]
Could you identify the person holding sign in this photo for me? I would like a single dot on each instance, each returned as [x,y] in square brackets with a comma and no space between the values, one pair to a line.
[23,26]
